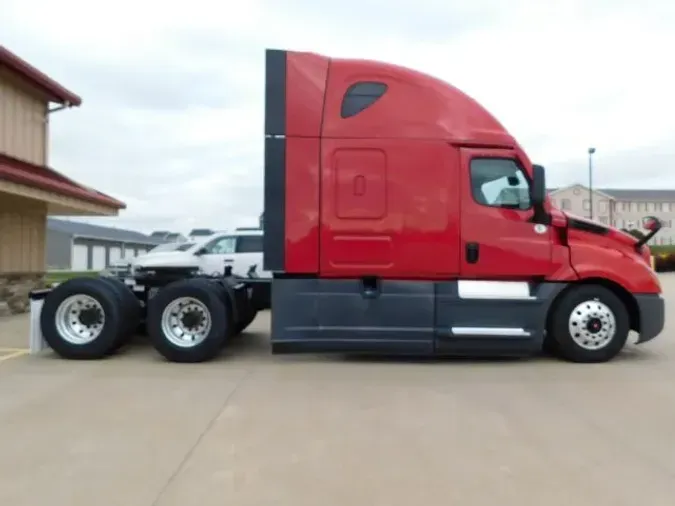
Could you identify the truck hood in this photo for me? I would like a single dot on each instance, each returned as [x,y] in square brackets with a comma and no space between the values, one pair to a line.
[167,259]
[122,262]
[594,227]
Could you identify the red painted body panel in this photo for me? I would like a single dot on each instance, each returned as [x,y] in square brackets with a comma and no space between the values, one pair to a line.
[510,247]
[419,190]
[595,256]
[386,192]
[416,234]
[302,215]
[416,106]
[306,75]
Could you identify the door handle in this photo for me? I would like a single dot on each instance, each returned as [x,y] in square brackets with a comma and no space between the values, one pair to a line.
[228,260]
[471,252]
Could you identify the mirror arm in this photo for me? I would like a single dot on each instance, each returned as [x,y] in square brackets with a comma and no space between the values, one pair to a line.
[540,216]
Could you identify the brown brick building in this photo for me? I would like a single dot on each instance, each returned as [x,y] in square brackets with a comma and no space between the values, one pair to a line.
[30,189]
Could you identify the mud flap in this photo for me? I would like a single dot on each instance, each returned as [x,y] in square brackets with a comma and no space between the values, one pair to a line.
[36,341]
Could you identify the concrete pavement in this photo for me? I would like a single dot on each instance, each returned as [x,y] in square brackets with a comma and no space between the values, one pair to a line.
[251,429]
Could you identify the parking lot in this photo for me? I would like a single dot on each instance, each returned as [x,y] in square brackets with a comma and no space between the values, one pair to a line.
[256,429]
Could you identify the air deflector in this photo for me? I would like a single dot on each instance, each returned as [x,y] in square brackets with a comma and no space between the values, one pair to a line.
[275,160]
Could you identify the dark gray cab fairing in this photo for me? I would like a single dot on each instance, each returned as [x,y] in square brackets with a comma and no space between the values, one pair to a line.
[408,317]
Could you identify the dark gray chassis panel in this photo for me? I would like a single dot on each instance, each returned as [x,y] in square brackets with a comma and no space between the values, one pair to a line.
[402,318]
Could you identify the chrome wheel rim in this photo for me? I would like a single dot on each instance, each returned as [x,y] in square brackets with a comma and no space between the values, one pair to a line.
[592,325]
[186,322]
[80,319]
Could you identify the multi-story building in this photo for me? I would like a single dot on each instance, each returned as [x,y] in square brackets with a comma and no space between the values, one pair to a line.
[620,208]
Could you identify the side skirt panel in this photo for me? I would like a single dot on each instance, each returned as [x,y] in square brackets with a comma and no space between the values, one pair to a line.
[492,318]
[451,318]
[350,316]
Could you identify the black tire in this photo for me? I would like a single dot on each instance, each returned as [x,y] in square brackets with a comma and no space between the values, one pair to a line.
[208,295]
[598,300]
[227,296]
[142,329]
[131,307]
[246,319]
[110,302]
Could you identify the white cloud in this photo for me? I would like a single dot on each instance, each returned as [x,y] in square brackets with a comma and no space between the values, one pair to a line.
[173,93]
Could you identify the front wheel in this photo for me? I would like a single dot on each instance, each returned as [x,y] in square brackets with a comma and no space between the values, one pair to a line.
[588,324]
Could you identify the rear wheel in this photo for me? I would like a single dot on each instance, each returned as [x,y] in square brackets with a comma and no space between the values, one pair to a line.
[80,319]
[588,324]
[131,307]
[246,319]
[188,321]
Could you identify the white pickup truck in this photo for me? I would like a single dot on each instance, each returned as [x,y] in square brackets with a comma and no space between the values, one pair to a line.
[240,249]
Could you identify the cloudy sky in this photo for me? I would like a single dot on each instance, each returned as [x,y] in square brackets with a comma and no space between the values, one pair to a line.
[172,118]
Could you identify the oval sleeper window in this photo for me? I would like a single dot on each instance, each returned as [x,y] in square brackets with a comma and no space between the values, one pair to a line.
[360,96]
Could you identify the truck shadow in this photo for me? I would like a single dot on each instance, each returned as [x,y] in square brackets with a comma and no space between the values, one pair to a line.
[256,345]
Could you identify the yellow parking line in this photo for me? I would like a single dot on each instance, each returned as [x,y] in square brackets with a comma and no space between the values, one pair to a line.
[15,354]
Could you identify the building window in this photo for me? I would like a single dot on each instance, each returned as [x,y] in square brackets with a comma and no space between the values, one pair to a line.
[603,219]
[587,204]
[658,207]
[499,182]
[666,206]
[566,204]
[625,206]
[603,205]
[360,96]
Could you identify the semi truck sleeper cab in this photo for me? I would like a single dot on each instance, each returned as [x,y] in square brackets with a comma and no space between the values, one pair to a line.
[403,218]
[400,218]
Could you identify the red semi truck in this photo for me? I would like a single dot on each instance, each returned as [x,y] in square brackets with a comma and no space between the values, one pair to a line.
[400,218]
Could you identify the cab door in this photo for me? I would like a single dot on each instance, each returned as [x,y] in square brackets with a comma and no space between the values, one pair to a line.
[498,237]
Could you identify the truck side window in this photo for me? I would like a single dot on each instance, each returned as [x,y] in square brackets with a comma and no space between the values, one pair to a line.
[499,182]
[249,244]
[360,96]
[221,246]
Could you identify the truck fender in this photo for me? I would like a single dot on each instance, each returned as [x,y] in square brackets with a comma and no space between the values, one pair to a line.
[233,295]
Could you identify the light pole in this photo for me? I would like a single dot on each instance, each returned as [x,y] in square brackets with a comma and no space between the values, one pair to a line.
[590,180]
